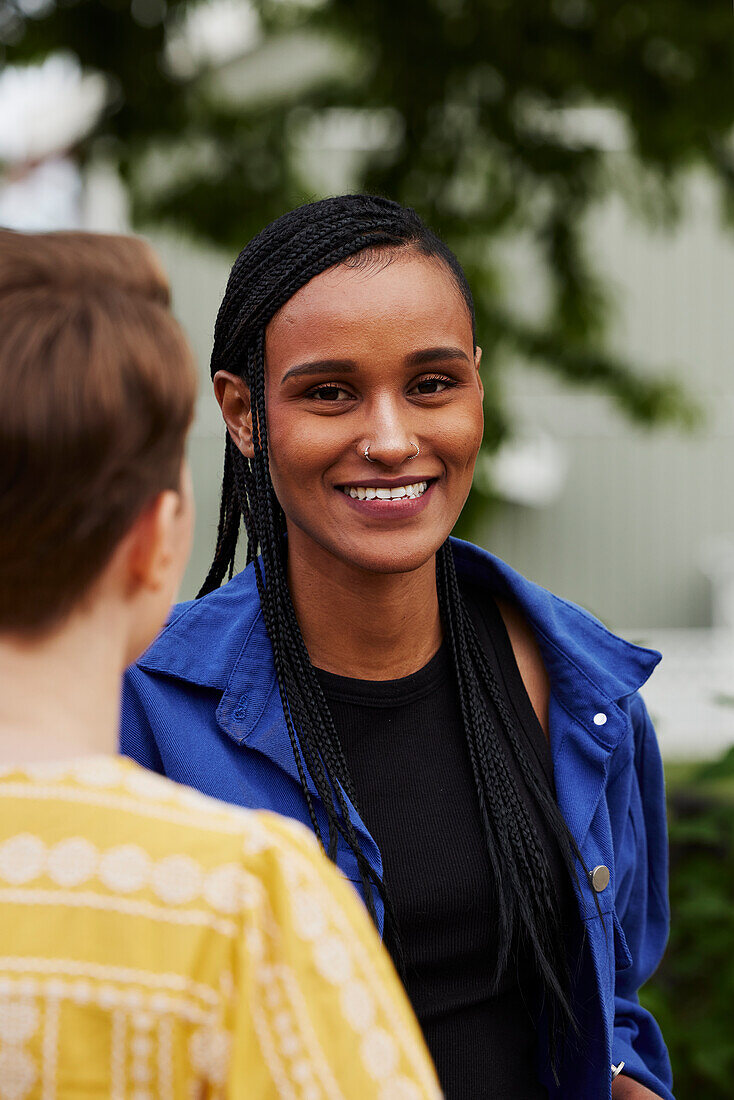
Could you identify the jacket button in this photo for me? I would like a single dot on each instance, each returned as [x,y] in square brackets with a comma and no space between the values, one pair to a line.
[600,878]
[600,719]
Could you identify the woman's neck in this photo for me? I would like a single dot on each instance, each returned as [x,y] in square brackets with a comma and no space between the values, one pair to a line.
[61,693]
[369,626]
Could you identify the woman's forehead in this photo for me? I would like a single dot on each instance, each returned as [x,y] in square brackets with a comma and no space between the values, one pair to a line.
[409,290]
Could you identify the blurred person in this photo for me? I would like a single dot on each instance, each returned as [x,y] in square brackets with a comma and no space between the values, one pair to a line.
[471,750]
[154,942]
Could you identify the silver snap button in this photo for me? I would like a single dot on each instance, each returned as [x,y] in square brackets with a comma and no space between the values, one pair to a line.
[600,719]
[600,878]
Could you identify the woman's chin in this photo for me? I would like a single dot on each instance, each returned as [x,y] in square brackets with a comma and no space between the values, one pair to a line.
[389,556]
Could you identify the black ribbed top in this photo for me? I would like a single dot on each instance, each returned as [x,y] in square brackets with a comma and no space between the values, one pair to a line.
[406,751]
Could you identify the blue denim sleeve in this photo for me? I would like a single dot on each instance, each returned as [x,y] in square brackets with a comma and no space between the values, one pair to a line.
[637,805]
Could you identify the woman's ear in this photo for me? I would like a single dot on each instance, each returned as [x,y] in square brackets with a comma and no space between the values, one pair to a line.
[233,395]
[148,565]
[153,543]
[477,363]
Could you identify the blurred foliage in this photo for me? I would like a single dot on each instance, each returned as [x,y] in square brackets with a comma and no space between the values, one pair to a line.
[692,993]
[479,97]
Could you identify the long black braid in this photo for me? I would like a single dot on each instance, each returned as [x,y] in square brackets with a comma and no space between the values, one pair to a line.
[268,271]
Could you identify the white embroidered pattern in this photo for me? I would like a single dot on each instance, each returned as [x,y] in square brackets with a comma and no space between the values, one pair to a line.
[141,1035]
[99,774]
[118,1077]
[178,983]
[323,1073]
[218,822]
[380,1053]
[21,858]
[141,1050]
[165,1058]
[51,1043]
[124,869]
[358,1005]
[338,954]
[129,906]
[18,1073]
[287,1080]
[19,1021]
[177,879]
[108,997]
[401,1088]
[298,1064]
[127,869]
[209,1050]
[72,862]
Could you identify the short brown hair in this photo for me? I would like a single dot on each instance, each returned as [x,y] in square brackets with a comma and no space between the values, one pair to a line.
[98,390]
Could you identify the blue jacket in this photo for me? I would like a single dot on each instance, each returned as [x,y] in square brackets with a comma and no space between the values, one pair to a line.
[202,706]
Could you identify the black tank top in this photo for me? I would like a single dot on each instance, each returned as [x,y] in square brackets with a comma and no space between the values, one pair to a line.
[406,751]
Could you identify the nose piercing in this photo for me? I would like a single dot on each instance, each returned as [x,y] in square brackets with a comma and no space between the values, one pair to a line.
[366,452]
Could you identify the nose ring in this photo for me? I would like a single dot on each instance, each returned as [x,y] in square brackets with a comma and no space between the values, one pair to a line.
[366,452]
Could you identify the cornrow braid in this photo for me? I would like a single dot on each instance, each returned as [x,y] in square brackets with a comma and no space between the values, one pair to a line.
[267,273]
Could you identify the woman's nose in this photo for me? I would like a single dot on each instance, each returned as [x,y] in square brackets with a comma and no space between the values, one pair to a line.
[388,438]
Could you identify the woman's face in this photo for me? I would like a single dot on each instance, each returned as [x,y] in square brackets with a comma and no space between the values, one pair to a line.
[380,357]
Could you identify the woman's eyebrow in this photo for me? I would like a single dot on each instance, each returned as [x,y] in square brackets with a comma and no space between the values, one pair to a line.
[320,366]
[432,355]
[345,366]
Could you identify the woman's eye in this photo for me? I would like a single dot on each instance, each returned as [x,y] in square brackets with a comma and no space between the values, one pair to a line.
[328,393]
[428,386]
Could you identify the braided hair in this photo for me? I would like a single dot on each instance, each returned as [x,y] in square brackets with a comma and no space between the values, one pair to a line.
[269,270]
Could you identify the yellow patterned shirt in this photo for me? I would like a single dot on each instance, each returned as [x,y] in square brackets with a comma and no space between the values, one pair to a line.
[157,944]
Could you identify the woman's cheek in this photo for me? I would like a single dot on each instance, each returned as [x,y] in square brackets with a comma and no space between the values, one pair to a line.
[462,441]
[297,472]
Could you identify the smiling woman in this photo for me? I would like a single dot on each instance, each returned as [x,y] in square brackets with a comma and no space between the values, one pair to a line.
[434,716]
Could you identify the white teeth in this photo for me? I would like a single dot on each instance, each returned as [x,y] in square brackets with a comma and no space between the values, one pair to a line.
[413,491]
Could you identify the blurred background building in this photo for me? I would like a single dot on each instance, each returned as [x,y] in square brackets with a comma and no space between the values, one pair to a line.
[581,164]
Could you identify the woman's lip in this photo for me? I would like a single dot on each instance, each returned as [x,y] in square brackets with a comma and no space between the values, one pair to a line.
[402,508]
[386,482]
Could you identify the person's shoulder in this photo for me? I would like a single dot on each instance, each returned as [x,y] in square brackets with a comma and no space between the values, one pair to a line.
[237,860]
[246,832]
[129,804]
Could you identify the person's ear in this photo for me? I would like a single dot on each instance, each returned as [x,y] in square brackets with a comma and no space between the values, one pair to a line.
[477,363]
[233,395]
[152,543]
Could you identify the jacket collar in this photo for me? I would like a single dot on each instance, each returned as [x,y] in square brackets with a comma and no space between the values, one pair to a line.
[575,645]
